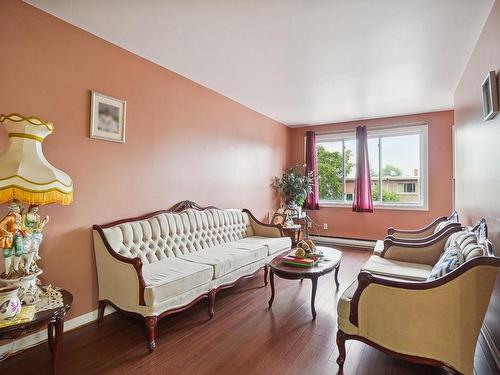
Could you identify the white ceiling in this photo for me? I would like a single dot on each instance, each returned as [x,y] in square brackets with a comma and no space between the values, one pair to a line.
[299,61]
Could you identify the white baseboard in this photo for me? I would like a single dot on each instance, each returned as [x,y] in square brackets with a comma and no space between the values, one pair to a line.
[29,341]
[491,345]
[343,241]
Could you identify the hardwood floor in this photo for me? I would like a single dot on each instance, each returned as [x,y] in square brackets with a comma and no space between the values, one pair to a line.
[244,337]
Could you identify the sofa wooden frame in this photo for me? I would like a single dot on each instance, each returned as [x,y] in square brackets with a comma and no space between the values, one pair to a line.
[366,278]
[431,240]
[413,235]
[151,322]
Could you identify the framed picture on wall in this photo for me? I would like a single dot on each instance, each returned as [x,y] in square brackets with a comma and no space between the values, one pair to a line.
[107,118]
[490,96]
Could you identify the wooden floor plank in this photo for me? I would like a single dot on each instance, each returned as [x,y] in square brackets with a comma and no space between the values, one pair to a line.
[244,337]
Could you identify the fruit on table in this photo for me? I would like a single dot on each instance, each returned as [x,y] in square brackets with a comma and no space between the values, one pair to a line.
[311,245]
[304,245]
[300,253]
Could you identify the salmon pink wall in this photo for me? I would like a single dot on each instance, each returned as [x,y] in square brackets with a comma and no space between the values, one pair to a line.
[184,141]
[342,222]
[478,154]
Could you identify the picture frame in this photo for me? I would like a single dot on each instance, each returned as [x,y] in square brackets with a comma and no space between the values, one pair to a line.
[107,117]
[490,96]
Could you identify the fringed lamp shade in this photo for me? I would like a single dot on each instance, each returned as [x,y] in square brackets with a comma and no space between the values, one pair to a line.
[25,174]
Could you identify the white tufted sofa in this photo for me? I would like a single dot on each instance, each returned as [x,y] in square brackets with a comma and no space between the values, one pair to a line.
[166,261]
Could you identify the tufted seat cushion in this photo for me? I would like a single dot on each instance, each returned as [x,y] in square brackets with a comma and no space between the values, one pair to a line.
[393,268]
[274,245]
[172,277]
[226,259]
[245,246]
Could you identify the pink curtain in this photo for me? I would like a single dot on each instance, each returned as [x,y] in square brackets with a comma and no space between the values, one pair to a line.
[312,201]
[363,200]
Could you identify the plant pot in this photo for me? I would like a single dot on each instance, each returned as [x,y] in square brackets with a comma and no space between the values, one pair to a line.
[10,304]
[299,210]
[295,208]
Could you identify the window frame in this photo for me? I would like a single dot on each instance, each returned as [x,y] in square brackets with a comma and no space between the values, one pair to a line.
[420,129]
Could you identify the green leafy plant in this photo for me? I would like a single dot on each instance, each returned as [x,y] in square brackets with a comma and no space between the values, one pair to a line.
[295,184]
[387,196]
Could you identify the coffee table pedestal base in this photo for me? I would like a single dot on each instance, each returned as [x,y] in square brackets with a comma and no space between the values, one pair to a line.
[276,267]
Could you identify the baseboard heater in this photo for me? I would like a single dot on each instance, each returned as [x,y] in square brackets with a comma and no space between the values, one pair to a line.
[343,241]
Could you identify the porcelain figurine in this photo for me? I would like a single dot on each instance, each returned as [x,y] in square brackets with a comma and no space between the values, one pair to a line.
[29,291]
[20,238]
[288,220]
[10,304]
[33,225]
[12,239]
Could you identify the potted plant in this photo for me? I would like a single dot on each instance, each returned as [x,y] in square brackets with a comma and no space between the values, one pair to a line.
[295,185]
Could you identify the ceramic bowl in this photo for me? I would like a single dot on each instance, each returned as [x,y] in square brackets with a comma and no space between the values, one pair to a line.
[10,304]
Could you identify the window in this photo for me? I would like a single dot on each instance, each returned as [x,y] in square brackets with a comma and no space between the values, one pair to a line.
[336,168]
[398,164]
[406,187]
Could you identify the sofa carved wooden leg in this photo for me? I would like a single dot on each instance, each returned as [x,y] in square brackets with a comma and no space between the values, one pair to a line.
[151,323]
[211,303]
[100,312]
[266,271]
[341,346]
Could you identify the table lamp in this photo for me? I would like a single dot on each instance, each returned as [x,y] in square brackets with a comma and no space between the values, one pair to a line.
[26,177]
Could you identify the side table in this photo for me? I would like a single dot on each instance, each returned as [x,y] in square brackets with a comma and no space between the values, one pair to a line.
[293,232]
[303,220]
[52,319]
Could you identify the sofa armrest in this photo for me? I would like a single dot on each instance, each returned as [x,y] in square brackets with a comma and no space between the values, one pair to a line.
[433,319]
[263,229]
[422,239]
[119,277]
[422,232]
[418,252]
[416,233]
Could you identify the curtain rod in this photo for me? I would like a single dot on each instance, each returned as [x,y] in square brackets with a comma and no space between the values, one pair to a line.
[375,127]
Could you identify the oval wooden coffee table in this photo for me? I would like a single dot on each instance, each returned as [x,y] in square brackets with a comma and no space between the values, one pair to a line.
[332,262]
